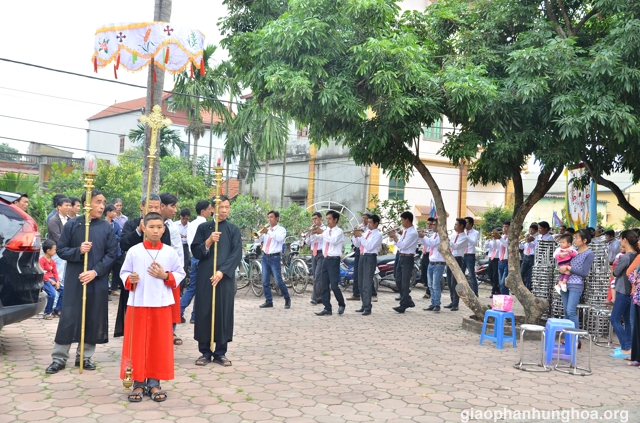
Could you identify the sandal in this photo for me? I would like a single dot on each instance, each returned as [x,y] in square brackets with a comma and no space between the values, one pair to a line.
[176,340]
[135,396]
[203,360]
[223,361]
[47,316]
[157,396]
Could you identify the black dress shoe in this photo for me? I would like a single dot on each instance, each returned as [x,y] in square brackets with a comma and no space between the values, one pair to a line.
[267,304]
[366,312]
[431,307]
[287,303]
[324,312]
[360,310]
[399,309]
[183,320]
[454,308]
[449,305]
[399,297]
[341,309]
[87,364]
[313,302]
[411,305]
[192,321]
[54,368]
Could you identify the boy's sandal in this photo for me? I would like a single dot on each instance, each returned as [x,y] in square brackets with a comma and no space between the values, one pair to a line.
[47,317]
[136,396]
[203,360]
[176,340]
[223,361]
[159,395]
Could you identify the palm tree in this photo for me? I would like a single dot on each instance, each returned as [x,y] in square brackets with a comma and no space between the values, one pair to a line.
[169,139]
[19,182]
[254,134]
[202,92]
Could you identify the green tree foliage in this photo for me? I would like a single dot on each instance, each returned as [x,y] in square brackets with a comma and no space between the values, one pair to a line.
[296,220]
[19,182]
[248,213]
[629,222]
[122,180]
[168,140]
[6,148]
[494,217]
[389,210]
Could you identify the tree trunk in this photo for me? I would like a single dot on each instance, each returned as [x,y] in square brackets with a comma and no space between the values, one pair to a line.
[266,172]
[194,164]
[162,13]
[534,307]
[226,188]
[284,172]
[463,289]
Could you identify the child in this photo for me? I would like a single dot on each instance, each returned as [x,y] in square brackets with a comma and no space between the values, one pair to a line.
[563,254]
[151,270]
[51,280]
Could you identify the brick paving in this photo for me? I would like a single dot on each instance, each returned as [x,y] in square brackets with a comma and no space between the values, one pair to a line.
[292,366]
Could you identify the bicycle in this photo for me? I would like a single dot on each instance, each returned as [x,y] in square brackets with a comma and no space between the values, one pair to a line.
[249,270]
[295,272]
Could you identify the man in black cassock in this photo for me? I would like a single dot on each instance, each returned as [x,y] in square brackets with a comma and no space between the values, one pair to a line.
[102,249]
[229,256]
[132,235]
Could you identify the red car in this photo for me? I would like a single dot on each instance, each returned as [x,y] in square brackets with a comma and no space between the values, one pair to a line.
[21,293]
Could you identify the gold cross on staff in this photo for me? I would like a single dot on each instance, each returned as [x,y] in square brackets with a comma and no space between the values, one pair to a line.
[156,121]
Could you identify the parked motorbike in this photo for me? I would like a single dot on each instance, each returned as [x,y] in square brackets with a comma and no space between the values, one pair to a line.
[347,271]
[482,270]
[386,265]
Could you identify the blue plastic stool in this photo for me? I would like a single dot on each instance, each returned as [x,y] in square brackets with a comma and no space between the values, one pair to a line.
[498,335]
[551,328]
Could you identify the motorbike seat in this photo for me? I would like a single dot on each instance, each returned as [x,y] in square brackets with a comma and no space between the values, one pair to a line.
[386,259]
[350,260]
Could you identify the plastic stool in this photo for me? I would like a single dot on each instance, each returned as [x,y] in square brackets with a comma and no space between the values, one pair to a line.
[498,335]
[552,327]
[573,368]
[541,366]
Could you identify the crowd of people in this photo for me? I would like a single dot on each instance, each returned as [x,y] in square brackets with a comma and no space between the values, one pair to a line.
[145,260]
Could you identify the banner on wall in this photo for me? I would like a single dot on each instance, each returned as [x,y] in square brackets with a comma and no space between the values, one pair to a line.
[577,200]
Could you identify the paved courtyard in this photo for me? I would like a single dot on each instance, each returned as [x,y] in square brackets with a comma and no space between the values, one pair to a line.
[292,366]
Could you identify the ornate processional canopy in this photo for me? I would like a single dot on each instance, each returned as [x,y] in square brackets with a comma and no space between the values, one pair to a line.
[134,45]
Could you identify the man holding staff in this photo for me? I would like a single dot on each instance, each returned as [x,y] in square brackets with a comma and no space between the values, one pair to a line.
[229,256]
[102,252]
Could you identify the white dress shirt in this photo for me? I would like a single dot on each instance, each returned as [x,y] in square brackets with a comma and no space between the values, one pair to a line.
[193,227]
[472,240]
[275,238]
[183,231]
[432,243]
[333,241]
[176,243]
[503,251]
[408,242]
[529,248]
[494,246]
[315,240]
[458,244]
[370,242]
[545,237]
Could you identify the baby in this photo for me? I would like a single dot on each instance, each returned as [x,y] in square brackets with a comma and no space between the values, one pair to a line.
[563,254]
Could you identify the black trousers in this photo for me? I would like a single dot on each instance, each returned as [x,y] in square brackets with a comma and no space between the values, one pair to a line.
[356,272]
[330,279]
[424,268]
[403,280]
[493,275]
[205,349]
[116,282]
[451,281]
[367,268]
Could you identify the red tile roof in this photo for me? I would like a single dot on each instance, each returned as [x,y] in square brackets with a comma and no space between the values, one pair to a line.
[234,188]
[178,118]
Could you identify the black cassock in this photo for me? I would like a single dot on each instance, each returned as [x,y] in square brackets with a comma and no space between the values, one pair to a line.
[229,256]
[103,254]
[128,239]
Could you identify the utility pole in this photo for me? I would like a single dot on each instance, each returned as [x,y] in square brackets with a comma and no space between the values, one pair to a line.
[161,13]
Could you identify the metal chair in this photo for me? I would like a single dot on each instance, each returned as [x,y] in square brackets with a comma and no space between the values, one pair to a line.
[572,368]
[536,366]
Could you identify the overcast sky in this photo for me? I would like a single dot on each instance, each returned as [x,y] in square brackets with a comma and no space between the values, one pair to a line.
[60,35]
